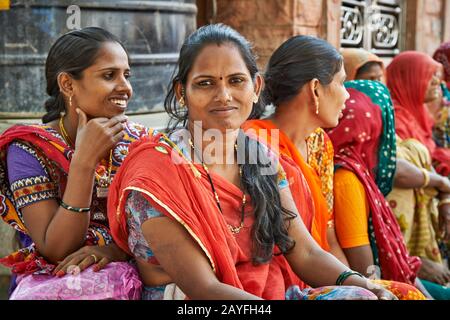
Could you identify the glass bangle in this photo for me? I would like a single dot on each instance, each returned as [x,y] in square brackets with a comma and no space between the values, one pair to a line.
[73,209]
[344,275]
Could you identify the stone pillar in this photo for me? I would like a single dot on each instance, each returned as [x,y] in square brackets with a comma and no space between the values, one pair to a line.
[446,18]
[429,23]
[333,22]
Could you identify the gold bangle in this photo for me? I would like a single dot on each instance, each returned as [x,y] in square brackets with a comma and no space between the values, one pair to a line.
[444,201]
[426,176]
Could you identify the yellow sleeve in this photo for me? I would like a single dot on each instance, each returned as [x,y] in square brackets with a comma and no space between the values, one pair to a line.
[351,210]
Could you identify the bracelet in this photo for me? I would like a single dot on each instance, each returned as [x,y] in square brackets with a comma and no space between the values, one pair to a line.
[426,176]
[73,209]
[344,275]
[444,201]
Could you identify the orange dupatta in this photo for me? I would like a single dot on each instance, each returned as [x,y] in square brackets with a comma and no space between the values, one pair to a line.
[321,214]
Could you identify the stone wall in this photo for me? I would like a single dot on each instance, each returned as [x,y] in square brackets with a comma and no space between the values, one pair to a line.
[268,23]
[427,24]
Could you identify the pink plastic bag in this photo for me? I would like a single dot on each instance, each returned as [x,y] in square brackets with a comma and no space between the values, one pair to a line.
[117,281]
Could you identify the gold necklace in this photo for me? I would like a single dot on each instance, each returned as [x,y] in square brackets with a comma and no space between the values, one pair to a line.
[233,229]
[64,133]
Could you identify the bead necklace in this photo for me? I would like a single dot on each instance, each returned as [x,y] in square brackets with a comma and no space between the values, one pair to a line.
[233,229]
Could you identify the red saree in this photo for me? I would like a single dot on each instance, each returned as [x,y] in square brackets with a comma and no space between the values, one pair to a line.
[187,198]
[408,77]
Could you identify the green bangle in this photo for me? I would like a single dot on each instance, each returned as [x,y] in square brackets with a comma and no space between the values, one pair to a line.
[344,275]
[73,209]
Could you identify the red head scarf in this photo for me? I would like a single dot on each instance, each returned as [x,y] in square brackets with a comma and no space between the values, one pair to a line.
[356,141]
[408,77]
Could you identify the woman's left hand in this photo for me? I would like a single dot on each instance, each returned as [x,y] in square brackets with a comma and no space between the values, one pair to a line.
[89,255]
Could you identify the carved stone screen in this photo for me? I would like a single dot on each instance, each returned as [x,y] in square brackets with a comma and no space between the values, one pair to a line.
[372,24]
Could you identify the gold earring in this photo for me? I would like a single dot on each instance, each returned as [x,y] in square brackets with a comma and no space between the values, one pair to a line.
[255,98]
[317,108]
[182,102]
[70,102]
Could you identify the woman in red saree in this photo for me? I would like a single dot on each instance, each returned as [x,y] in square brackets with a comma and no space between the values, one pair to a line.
[413,81]
[207,211]
[54,175]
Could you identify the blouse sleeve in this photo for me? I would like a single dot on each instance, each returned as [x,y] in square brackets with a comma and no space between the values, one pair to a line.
[351,210]
[28,179]
[138,211]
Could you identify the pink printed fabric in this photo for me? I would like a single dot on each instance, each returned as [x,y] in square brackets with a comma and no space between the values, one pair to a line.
[117,281]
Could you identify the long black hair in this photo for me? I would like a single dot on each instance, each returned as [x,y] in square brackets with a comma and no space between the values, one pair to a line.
[72,53]
[297,61]
[269,228]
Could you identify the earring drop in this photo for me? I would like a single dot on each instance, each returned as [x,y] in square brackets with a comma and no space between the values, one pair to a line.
[317,108]
[255,98]
[181,102]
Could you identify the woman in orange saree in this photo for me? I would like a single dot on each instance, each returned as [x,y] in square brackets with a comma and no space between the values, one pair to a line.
[298,125]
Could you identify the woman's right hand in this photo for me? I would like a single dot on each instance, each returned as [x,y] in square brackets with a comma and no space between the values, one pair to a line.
[96,137]
[383,294]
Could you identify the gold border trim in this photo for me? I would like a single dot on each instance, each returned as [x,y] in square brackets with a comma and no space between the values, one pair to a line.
[173,214]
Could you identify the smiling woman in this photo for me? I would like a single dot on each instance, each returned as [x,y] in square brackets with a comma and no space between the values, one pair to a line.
[105,85]
[412,80]
[58,173]
[219,95]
